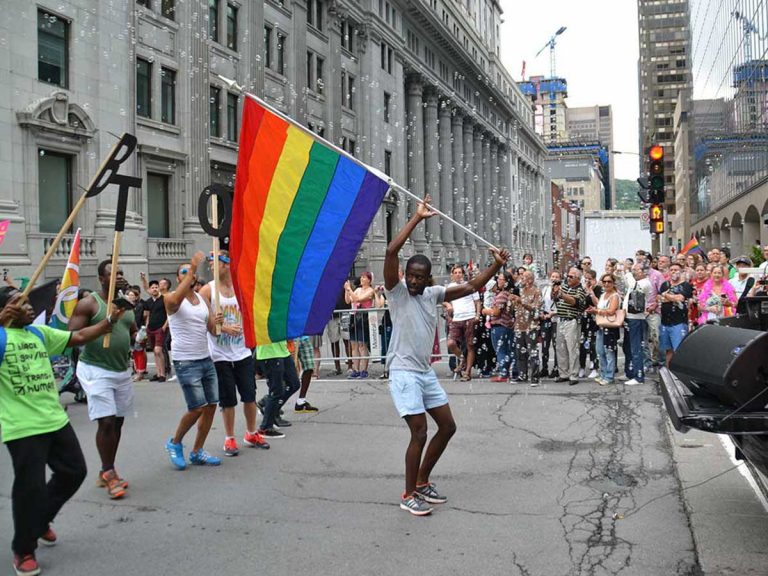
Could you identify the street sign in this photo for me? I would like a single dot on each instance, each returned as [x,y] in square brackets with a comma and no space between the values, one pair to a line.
[645,221]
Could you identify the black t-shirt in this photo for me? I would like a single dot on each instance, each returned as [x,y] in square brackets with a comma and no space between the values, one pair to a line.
[673,313]
[138,311]
[157,314]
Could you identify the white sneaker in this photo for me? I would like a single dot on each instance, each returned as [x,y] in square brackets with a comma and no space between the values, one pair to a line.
[581,372]
[593,374]
[632,382]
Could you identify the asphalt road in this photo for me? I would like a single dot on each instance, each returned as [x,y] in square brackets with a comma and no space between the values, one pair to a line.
[550,481]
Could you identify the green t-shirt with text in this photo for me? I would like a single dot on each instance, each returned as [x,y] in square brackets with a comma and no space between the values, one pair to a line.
[29,397]
[273,350]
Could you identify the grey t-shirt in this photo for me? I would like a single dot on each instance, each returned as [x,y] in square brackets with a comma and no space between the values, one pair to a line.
[414,319]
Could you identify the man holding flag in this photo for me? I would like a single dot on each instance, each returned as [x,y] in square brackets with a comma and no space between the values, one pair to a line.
[413,384]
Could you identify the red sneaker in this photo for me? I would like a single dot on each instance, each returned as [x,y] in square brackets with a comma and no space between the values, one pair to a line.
[25,565]
[499,379]
[49,538]
[255,440]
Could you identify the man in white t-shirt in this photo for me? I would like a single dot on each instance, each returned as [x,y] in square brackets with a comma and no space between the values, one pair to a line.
[639,291]
[465,313]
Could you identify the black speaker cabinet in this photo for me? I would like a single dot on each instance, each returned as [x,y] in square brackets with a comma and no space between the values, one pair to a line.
[729,364]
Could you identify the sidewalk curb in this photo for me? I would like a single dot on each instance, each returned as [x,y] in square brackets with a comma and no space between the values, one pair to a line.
[727,519]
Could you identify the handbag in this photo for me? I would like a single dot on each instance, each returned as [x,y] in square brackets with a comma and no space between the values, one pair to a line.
[615,320]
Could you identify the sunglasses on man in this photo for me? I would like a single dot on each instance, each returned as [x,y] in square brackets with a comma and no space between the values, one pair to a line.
[222,258]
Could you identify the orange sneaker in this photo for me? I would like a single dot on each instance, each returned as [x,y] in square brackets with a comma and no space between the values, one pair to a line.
[230,447]
[255,440]
[113,485]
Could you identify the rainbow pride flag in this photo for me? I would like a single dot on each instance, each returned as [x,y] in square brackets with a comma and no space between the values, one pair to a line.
[66,300]
[692,246]
[300,213]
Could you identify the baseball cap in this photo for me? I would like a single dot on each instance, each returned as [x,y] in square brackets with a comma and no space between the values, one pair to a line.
[743,260]
[5,294]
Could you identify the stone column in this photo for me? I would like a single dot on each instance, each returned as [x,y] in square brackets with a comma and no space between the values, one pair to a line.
[502,165]
[446,176]
[415,90]
[487,187]
[457,171]
[467,202]
[430,164]
[494,214]
[198,163]
[477,176]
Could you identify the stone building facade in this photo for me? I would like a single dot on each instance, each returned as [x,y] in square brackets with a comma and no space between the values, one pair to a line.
[415,89]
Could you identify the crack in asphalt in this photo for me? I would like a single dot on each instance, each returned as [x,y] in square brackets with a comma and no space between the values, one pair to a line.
[612,468]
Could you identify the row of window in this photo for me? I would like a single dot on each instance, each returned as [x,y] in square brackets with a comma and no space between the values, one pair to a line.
[55,195]
[144,94]
[53,34]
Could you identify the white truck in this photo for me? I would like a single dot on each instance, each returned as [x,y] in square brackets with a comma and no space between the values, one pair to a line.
[613,234]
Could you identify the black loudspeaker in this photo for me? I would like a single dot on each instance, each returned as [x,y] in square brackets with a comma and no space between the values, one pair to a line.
[729,364]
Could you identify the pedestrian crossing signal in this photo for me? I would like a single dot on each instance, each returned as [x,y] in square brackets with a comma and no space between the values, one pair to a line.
[656,213]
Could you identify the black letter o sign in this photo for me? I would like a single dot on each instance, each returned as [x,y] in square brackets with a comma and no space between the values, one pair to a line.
[223,193]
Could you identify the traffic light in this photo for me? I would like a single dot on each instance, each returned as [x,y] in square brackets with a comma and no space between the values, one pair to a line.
[656,174]
[657,218]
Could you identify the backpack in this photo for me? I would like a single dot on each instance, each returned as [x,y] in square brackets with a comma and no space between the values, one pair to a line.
[636,301]
[4,338]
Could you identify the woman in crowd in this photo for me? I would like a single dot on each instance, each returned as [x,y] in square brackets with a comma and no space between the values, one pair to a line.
[716,298]
[360,298]
[700,278]
[502,327]
[607,338]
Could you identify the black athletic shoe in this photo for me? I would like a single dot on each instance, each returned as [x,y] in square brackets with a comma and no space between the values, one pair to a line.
[305,408]
[561,380]
[281,423]
[271,433]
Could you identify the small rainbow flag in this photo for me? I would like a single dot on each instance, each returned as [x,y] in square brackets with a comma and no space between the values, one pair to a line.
[300,212]
[692,246]
[66,300]
[4,224]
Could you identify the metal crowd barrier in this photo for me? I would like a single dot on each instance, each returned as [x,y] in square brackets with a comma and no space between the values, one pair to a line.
[376,335]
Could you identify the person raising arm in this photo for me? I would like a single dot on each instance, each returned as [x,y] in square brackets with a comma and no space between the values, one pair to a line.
[415,390]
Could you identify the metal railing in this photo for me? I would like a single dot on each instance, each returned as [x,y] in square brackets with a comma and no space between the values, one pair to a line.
[368,325]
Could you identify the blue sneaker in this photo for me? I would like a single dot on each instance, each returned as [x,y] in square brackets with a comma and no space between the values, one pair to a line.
[176,452]
[353,374]
[202,458]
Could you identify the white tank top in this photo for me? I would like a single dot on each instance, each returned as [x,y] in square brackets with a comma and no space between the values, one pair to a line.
[189,326]
[224,347]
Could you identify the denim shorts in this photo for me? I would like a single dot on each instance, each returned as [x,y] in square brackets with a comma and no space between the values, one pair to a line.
[198,381]
[415,392]
[670,337]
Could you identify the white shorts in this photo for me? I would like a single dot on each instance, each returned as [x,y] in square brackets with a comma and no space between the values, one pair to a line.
[109,393]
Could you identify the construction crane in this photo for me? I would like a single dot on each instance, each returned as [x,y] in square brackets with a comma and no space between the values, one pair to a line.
[749,28]
[551,44]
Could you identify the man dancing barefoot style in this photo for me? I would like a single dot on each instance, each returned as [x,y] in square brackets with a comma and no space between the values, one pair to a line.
[413,384]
